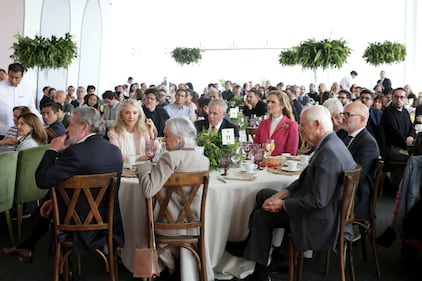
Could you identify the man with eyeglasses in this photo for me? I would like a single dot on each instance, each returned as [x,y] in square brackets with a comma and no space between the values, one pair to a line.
[178,108]
[399,132]
[374,120]
[345,97]
[364,149]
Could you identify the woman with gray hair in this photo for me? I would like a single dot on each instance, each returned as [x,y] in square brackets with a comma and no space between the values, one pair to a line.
[181,156]
[335,107]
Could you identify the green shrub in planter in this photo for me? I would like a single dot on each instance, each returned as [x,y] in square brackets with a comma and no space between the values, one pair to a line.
[186,55]
[44,53]
[384,53]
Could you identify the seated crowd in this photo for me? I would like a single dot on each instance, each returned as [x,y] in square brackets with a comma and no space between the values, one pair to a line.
[342,126]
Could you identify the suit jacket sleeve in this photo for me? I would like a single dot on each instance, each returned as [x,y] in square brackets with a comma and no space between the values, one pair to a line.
[322,174]
[49,172]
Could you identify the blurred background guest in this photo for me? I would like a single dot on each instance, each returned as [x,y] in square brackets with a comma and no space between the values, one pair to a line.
[31,130]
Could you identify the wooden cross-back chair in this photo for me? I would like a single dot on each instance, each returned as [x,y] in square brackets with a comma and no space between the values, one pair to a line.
[250,133]
[185,187]
[82,196]
[368,227]
[347,218]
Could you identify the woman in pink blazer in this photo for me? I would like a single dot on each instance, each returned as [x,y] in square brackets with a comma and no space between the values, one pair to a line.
[280,126]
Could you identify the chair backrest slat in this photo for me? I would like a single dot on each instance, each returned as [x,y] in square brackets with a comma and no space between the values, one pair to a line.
[185,187]
[90,190]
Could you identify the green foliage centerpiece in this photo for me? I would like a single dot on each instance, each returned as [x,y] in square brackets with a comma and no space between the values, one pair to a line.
[288,57]
[384,53]
[186,55]
[213,146]
[44,53]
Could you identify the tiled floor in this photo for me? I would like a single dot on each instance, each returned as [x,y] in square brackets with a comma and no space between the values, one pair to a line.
[40,269]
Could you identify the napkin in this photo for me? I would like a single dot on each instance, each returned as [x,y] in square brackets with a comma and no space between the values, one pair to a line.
[282,172]
[241,177]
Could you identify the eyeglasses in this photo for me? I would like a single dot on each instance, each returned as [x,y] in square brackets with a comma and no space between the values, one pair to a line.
[399,97]
[348,114]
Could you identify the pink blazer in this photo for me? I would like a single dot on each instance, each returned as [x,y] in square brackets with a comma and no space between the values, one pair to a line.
[286,135]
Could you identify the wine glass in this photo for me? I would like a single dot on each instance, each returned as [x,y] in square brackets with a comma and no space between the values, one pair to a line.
[225,159]
[269,146]
[258,156]
[246,146]
[237,155]
[150,150]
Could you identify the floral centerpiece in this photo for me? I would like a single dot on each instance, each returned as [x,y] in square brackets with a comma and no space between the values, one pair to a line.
[213,146]
[186,55]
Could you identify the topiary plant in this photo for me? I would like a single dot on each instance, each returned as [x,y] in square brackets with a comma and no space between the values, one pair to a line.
[288,57]
[44,53]
[186,55]
[326,53]
[384,53]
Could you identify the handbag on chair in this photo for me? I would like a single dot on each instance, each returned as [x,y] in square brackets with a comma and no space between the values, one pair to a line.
[146,260]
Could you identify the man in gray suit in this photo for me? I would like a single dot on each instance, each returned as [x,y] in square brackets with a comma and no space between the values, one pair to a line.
[308,208]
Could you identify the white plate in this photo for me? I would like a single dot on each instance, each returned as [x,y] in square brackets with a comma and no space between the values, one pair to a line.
[251,173]
[291,170]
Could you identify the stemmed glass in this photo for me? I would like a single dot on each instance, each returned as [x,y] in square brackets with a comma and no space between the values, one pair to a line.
[150,150]
[225,159]
[269,146]
[258,156]
[237,155]
[246,146]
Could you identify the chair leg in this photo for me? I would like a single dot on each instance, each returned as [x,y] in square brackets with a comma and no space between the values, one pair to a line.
[341,261]
[19,210]
[111,263]
[56,270]
[327,263]
[351,264]
[362,231]
[291,260]
[373,238]
[300,267]
[9,227]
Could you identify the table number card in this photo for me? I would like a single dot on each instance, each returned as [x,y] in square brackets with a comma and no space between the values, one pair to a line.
[227,136]
[234,112]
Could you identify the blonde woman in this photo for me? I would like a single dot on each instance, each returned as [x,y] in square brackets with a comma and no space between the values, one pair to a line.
[280,126]
[131,133]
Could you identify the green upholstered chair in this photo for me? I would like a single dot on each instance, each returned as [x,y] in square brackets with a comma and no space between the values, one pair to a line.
[26,189]
[8,163]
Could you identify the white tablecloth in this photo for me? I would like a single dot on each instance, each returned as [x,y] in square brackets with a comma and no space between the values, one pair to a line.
[227,213]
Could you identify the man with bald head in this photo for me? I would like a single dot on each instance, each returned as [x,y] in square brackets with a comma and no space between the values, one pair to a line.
[364,149]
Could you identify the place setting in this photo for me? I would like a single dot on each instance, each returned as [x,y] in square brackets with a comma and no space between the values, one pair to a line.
[292,166]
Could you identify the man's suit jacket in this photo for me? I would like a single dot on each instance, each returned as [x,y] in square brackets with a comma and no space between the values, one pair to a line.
[201,125]
[365,152]
[374,120]
[313,204]
[95,155]
[386,83]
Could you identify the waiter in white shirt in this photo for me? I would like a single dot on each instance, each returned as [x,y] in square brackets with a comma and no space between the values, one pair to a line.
[13,93]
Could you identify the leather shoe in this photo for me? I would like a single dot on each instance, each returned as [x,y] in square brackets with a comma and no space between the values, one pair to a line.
[24,255]
[253,278]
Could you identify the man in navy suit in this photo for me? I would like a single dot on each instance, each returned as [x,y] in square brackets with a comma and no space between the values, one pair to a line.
[364,149]
[374,121]
[385,82]
[215,123]
[82,151]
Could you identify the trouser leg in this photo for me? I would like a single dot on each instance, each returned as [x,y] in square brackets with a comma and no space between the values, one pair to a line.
[261,225]
[40,226]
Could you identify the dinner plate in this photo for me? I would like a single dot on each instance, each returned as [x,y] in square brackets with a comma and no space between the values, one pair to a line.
[291,170]
[251,173]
